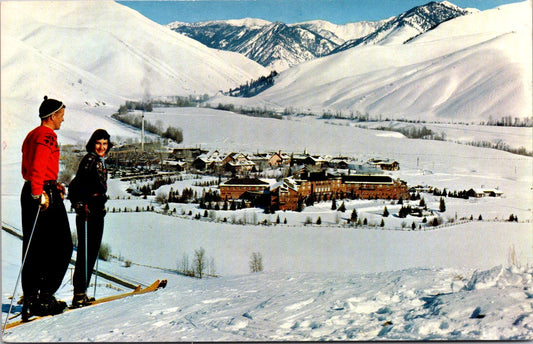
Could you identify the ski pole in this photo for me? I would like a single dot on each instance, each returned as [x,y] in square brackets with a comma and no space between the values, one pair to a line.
[86,272]
[21,267]
[96,275]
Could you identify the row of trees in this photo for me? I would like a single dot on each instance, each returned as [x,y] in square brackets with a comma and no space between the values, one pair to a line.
[414,132]
[249,111]
[500,145]
[136,120]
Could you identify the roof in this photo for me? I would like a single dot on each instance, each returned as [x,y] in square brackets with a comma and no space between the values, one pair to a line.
[361,178]
[245,181]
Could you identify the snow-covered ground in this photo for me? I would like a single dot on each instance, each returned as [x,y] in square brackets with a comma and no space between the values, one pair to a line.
[320,282]
[468,281]
[408,304]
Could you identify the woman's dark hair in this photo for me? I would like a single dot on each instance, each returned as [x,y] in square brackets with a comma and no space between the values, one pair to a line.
[98,134]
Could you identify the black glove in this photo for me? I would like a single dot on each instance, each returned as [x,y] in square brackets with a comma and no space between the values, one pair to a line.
[82,210]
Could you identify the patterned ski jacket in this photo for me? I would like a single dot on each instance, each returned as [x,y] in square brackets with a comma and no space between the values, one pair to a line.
[90,184]
[40,158]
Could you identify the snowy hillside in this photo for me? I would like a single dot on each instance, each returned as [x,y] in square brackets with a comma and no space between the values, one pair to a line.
[83,51]
[92,56]
[412,304]
[468,68]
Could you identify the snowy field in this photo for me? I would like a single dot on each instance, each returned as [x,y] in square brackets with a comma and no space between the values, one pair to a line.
[468,281]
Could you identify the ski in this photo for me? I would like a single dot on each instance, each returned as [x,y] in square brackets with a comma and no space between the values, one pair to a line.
[158,284]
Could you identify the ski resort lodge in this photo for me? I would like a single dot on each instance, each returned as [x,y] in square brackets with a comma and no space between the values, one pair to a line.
[288,193]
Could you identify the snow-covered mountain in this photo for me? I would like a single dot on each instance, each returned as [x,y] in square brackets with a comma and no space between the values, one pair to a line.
[473,67]
[99,52]
[280,46]
[274,45]
[408,25]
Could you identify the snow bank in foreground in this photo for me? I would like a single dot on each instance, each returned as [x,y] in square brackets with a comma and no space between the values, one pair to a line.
[413,304]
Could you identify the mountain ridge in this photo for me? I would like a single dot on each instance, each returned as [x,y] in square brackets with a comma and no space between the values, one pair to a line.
[470,68]
[291,44]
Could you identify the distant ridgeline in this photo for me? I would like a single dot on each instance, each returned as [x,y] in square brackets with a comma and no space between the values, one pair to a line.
[253,87]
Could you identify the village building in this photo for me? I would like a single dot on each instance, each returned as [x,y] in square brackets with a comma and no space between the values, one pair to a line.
[241,167]
[321,184]
[478,193]
[340,162]
[298,159]
[285,195]
[367,186]
[308,182]
[278,159]
[237,188]
[210,162]
[237,163]
[385,164]
[260,160]
[187,154]
[173,165]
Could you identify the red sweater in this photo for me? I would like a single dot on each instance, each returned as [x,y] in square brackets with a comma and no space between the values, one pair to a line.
[40,158]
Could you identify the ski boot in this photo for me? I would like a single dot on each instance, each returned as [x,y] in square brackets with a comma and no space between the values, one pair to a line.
[47,304]
[81,300]
[28,303]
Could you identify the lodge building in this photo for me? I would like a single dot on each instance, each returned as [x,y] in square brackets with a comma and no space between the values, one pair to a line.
[286,194]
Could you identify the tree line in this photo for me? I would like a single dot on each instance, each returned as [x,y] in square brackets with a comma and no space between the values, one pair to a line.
[173,133]
[253,87]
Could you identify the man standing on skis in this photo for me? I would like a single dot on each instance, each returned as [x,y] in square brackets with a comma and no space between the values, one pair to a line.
[87,193]
[47,242]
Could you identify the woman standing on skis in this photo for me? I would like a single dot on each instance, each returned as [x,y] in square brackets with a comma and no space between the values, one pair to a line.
[87,193]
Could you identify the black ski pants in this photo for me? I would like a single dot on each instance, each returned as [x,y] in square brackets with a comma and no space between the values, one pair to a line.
[50,249]
[91,228]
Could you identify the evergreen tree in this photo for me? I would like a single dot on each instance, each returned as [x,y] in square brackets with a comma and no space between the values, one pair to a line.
[342,208]
[385,212]
[382,224]
[442,205]
[353,217]
[333,204]
[319,221]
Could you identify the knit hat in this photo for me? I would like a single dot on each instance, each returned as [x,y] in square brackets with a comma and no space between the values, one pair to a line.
[49,106]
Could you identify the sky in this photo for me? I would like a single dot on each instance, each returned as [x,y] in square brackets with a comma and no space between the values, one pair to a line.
[287,11]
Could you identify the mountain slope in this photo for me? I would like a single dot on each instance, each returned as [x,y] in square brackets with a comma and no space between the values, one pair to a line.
[408,25]
[468,68]
[99,47]
[280,46]
[275,45]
